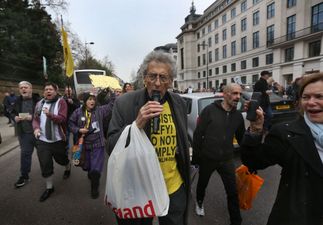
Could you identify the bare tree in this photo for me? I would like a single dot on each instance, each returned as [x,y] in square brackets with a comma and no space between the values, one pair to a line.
[57,6]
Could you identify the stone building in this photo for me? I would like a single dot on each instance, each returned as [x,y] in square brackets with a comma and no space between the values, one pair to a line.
[243,37]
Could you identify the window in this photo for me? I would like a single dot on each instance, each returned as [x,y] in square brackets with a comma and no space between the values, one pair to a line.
[244,79]
[224,52]
[233,30]
[216,38]
[209,28]
[243,44]
[224,81]
[198,47]
[182,58]
[199,61]
[233,48]
[210,56]
[255,18]
[210,42]
[203,45]
[317,17]
[233,67]
[216,84]
[255,2]
[198,75]
[255,62]
[217,70]
[314,48]
[203,31]
[224,69]
[210,72]
[269,58]
[270,34]
[289,54]
[224,34]
[198,35]
[216,24]
[224,18]
[243,64]
[216,54]
[291,3]
[204,59]
[244,24]
[255,78]
[271,10]
[204,73]
[291,26]
[233,13]
[243,6]
[255,39]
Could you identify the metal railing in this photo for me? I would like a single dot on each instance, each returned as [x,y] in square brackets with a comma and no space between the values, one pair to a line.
[298,34]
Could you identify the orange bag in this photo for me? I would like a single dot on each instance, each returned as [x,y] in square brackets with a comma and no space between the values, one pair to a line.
[248,186]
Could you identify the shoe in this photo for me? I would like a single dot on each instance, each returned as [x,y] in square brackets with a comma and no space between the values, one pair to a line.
[94,193]
[199,209]
[67,174]
[21,181]
[46,194]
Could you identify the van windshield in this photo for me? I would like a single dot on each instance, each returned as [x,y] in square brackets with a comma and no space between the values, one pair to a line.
[83,77]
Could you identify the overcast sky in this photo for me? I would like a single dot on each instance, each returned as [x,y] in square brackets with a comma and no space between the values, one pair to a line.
[127,30]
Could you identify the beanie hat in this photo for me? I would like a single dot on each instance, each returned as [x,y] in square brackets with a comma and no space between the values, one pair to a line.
[87,95]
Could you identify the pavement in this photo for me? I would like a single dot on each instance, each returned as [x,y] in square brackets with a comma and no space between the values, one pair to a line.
[9,140]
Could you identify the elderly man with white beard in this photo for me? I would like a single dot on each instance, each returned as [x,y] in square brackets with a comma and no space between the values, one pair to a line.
[22,113]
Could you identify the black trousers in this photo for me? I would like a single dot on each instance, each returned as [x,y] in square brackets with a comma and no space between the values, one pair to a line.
[47,151]
[175,216]
[226,170]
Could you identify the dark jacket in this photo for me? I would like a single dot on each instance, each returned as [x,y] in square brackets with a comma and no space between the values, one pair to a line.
[17,108]
[214,133]
[71,107]
[93,139]
[299,199]
[125,111]
[262,86]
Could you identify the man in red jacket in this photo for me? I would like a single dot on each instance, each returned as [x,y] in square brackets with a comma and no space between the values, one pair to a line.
[49,125]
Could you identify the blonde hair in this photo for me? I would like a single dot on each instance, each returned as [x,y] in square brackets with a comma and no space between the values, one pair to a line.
[270,80]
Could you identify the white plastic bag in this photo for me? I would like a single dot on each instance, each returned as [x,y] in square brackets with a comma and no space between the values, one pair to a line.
[135,186]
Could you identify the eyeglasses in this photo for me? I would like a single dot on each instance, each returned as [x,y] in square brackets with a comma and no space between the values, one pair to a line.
[162,78]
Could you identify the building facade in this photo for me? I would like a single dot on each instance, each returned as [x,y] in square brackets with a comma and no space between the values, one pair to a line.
[241,38]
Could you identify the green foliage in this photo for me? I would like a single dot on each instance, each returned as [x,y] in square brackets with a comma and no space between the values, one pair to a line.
[26,35]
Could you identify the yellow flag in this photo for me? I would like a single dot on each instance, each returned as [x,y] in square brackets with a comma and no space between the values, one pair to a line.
[68,59]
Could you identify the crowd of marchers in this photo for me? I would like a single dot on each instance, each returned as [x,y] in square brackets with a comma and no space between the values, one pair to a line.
[47,122]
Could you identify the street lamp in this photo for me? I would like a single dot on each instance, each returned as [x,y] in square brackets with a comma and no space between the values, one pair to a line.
[207,63]
[86,53]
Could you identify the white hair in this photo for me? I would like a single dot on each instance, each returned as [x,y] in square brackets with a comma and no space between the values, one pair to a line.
[25,82]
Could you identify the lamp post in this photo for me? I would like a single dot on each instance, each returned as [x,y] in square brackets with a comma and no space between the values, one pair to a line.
[207,63]
[86,53]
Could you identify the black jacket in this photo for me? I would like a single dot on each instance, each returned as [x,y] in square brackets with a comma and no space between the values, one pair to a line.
[125,111]
[299,199]
[262,86]
[18,107]
[213,136]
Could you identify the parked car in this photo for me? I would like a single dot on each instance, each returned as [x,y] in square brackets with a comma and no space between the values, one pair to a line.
[196,102]
[283,109]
